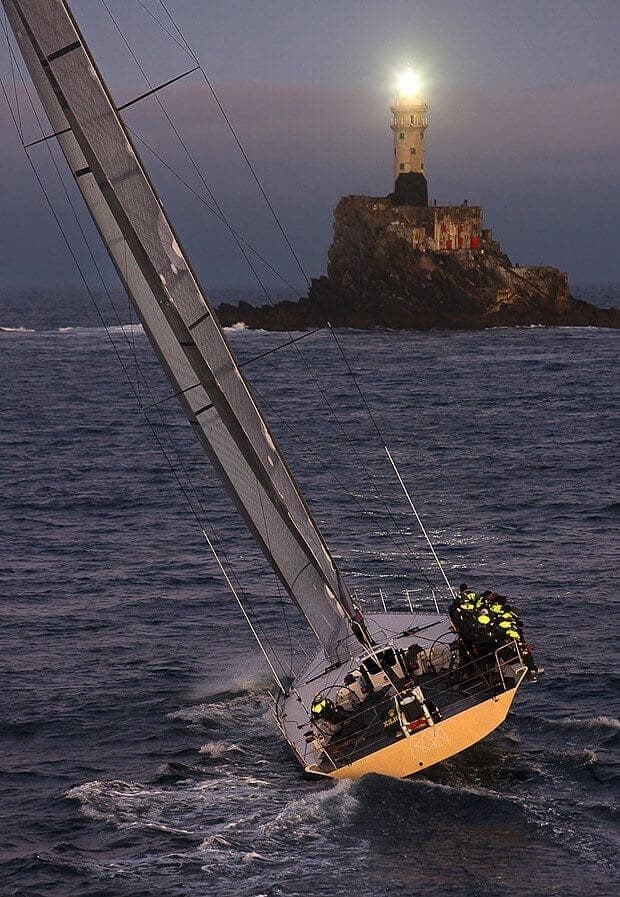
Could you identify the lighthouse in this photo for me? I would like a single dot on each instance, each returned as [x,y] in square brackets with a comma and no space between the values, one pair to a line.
[409,123]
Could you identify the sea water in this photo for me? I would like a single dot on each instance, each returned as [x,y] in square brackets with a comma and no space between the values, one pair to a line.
[139,756]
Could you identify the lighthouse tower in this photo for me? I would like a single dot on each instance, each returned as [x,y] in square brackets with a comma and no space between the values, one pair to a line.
[409,123]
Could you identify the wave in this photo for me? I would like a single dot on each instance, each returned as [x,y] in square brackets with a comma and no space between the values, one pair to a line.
[112,328]
[219,749]
[594,723]
[129,805]
[195,810]
[241,702]
[130,329]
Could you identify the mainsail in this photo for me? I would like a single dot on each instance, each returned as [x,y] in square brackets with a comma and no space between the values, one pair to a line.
[175,312]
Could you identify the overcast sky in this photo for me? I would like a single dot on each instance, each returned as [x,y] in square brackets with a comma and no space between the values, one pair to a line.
[524,108]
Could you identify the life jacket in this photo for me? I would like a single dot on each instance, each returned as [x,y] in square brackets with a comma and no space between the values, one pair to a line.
[319,704]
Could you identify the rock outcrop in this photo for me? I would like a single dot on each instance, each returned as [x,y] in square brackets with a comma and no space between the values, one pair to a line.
[383,271]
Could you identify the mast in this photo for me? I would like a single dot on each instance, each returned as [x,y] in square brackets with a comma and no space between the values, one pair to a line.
[176,314]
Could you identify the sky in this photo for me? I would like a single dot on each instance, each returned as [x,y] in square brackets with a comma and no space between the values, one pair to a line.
[524,110]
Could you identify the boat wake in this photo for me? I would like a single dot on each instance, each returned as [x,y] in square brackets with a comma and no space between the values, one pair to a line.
[228,813]
[231,805]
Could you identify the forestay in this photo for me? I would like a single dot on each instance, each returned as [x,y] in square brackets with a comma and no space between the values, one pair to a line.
[175,312]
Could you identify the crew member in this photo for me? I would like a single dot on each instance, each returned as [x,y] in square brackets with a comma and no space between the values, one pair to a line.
[360,630]
[327,719]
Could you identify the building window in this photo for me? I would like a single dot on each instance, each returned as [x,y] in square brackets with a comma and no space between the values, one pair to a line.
[412,150]
[422,166]
[401,167]
[421,135]
[401,136]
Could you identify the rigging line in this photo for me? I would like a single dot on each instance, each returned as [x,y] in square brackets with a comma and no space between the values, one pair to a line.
[5,27]
[174,395]
[153,90]
[357,386]
[241,365]
[363,398]
[177,134]
[213,211]
[417,516]
[367,511]
[133,329]
[126,105]
[290,342]
[243,610]
[239,146]
[164,29]
[123,367]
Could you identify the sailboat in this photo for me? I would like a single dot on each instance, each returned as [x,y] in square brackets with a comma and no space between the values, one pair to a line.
[386,692]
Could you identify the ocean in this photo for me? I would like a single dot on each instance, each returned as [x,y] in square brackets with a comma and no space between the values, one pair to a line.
[139,754]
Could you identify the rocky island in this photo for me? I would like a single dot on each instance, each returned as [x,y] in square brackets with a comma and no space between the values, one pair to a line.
[400,262]
[376,277]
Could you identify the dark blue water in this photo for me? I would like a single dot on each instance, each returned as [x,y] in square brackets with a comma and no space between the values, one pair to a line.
[138,753]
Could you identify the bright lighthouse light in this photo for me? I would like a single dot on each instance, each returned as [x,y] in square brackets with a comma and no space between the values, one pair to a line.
[409,84]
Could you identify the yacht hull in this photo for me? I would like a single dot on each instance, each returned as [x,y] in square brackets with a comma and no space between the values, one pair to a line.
[417,752]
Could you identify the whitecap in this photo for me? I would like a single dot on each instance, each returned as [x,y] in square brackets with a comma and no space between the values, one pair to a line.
[219,749]
[596,722]
[17,330]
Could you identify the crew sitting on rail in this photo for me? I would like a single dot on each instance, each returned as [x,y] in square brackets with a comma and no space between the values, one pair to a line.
[486,622]
[507,626]
[462,605]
